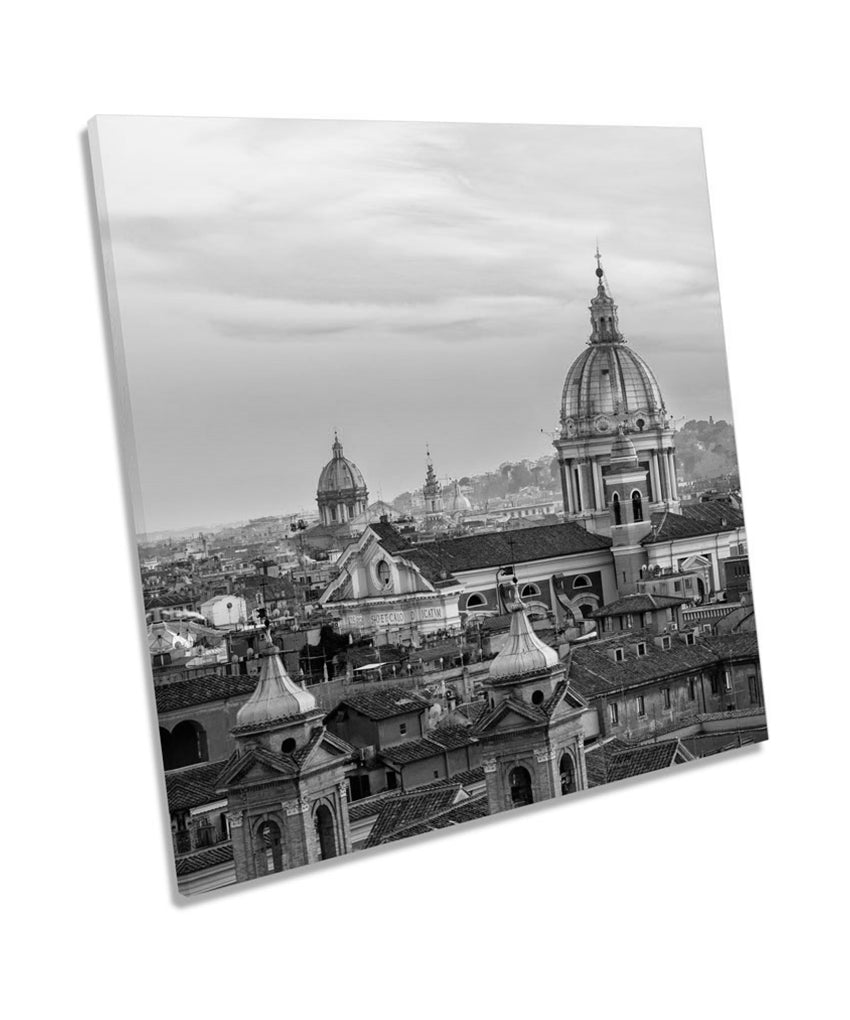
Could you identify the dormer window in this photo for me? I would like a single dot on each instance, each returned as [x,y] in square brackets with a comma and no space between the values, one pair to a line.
[641,648]
[665,642]
[690,638]
[619,655]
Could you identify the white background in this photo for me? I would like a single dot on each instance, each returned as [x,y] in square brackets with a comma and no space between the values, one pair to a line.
[719,891]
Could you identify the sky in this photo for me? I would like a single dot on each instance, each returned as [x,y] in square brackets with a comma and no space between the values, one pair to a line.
[404,283]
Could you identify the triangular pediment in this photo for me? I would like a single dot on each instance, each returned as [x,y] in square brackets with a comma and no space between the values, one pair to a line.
[256,766]
[509,714]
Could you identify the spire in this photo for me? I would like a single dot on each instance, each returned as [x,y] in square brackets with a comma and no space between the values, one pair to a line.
[523,652]
[276,696]
[430,475]
[603,311]
[337,446]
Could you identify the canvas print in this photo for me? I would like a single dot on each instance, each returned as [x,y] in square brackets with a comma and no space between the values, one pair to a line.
[429,446]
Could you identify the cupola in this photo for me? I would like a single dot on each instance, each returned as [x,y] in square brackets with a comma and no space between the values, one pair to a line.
[277,696]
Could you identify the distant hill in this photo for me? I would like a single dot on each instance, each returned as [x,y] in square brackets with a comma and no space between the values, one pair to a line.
[706,449]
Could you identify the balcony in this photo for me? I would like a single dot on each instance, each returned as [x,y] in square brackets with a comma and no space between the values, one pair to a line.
[200,837]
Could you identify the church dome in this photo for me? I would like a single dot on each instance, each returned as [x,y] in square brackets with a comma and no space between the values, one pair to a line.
[457,503]
[610,379]
[609,382]
[340,474]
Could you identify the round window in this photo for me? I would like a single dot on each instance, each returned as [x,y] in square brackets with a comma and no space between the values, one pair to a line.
[537,698]
[288,746]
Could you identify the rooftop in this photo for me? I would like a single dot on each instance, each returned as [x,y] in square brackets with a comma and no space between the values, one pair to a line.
[386,702]
[200,690]
[192,786]
[613,760]
[439,740]
[413,814]
[594,673]
[695,519]
[640,603]
[493,549]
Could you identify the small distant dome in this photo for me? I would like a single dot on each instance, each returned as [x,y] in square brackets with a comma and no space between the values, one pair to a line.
[340,474]
[457,503]
[623,452]
[524,652]
[276,696]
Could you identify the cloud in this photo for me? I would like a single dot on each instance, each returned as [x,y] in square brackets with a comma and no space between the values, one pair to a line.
[249,248]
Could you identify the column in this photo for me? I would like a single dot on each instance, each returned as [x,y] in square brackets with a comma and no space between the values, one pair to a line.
[581,494]
[665,471]
[655,476]
[569,497]
[597,483]
[674,485]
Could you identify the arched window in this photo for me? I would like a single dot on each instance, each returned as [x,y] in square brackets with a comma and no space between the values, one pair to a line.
[529,591]
[618,510]
[325,831]
[520,784]
[582,581]
[568,774]
[586,609]
[476,601]
[188,744]
[637,506]
[268,848]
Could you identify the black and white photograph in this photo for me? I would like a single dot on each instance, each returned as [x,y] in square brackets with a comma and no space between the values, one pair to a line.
[423,510]
[436,493]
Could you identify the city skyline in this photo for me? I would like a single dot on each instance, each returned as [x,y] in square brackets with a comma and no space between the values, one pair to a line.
[402,283]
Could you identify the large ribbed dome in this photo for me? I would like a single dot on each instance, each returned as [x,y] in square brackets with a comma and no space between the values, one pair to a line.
[340,474]
[610,379]
[608,383]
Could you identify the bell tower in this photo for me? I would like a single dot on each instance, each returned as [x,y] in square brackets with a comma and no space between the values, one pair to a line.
[627,495]
[432,492]
[531,739]
[286,782]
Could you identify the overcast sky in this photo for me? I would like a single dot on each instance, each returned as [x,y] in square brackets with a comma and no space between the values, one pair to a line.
[404,283]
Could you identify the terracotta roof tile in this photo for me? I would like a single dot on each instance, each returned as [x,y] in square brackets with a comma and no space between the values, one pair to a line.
[445,738]
[386,702]
[694,520]
[200,690]
[190,787]
[498,548]
[192,863]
